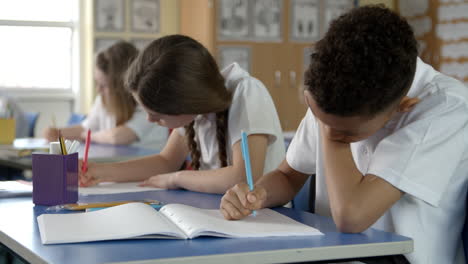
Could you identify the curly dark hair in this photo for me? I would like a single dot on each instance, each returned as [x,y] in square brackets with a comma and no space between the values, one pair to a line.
[365,63]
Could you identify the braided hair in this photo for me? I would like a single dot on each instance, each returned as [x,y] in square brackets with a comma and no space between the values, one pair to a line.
[176,75]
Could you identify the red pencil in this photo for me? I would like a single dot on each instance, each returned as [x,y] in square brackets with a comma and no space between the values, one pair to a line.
[84,167]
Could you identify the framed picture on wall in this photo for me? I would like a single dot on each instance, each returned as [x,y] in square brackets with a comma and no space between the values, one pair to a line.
[335,8]
[230,54]
[304,20]
[141,43]
[109,15]
[101,44]
[266,22]
[145,16]
[233,20]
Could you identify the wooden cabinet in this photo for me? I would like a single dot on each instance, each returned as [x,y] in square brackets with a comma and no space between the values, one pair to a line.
[278,64]
[441,30]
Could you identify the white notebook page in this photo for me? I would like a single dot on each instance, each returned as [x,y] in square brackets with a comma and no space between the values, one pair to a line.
[118,222]
[196,222]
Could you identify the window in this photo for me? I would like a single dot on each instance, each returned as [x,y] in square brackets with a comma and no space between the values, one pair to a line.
[39,44]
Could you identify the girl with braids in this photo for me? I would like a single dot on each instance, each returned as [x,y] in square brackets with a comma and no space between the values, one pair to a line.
[179,85]
[115,117]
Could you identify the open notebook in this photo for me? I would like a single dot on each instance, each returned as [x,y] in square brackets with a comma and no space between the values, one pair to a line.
[138,220]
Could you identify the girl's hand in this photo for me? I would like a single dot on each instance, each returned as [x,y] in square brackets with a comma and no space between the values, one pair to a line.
[239,201]
[164,181]
[90,177]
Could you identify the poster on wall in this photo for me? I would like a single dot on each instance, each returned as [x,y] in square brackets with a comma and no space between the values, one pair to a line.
[145,16]
[334,9]
[267,20]
[109,15]
[101,44]
[304,20]
[233,20]
[230,54]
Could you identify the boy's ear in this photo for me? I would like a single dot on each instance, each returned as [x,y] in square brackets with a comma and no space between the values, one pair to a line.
[307,97]
[407,103]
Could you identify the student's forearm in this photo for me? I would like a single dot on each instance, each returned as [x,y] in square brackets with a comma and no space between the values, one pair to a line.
[135,170]
[279,188]
[118,135]
[72,132]
[343,180]
[210,181]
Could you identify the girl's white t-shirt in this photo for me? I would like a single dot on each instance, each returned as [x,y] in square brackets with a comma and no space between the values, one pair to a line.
[149,135]
[424,153]
[252,110]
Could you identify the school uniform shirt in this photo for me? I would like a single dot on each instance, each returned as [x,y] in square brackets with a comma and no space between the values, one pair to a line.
[149,135]
[423,153]
[252,110]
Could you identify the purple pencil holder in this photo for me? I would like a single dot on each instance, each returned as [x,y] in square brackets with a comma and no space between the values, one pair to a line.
[55,179]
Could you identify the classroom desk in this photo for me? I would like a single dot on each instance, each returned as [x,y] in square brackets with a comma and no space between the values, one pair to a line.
[97,153]
[19,232]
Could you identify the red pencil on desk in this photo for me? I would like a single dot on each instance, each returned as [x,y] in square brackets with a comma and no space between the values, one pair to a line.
[84,167]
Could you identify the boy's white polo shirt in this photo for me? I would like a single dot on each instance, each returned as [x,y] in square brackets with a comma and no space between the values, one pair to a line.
[424,153]
[252,110]
[150,135]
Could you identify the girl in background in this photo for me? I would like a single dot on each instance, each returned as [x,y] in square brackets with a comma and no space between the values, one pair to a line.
[115,117]
[178,83]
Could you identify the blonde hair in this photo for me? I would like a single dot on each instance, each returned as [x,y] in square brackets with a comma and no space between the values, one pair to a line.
[113,62]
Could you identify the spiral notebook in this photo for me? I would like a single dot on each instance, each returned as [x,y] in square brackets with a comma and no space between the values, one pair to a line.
[138,220]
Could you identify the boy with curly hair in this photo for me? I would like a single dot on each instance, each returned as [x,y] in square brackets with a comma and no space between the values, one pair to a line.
[386,136]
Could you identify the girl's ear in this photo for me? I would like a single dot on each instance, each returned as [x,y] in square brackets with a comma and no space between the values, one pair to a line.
[407,103]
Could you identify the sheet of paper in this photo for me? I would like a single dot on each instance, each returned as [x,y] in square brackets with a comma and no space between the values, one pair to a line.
[15,189]
[455,50]
[455,69]
[452,31]
[452,12]
[113,187]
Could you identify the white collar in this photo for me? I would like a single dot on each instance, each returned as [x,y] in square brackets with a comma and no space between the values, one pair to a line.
[232,74]
[424,74]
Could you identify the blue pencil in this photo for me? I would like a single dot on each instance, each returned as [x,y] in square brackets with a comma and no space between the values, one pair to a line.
[246,157]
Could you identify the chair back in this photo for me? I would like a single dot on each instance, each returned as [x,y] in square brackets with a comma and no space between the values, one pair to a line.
[75,119]
[305,198]
[32,120]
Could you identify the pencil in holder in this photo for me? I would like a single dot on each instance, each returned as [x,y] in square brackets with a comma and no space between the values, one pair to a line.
[7,130]
[55,178]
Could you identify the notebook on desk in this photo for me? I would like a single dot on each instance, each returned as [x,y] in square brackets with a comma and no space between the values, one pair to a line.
[9,189]
[138,220]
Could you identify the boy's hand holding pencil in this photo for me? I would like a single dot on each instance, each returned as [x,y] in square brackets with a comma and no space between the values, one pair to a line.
[239,201]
